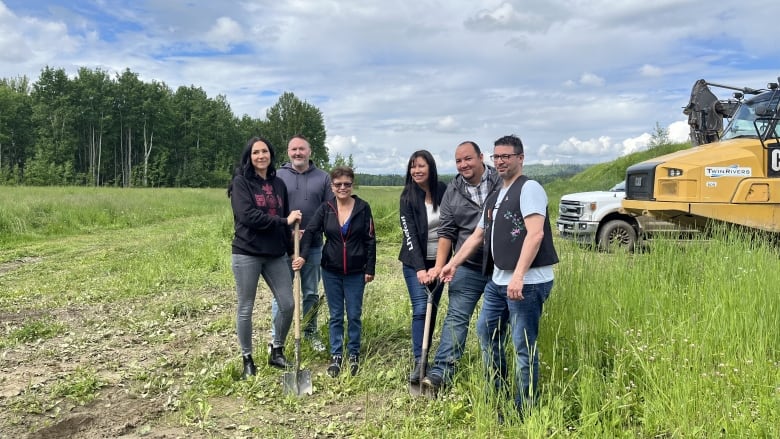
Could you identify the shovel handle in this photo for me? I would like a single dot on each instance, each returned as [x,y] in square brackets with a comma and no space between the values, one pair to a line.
[297,282]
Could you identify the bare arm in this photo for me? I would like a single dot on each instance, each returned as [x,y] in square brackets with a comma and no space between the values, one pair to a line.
[534,225]
[469,246]
[443,253]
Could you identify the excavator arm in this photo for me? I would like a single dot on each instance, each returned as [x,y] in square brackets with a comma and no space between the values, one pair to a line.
[706,112]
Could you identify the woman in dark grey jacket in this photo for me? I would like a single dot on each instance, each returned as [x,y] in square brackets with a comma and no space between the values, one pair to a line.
[261,245]
[419,214]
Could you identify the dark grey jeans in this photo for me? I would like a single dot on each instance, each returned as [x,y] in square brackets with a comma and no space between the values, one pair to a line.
[276,273]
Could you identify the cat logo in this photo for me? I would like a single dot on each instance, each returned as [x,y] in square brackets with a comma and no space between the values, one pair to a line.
[773,162]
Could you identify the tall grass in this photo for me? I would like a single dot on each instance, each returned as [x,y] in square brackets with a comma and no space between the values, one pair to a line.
[679,341]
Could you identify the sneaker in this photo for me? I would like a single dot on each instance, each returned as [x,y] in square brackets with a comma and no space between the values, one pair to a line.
[431,383]
[353,364]
[335,366]
[316,344]
[270,347]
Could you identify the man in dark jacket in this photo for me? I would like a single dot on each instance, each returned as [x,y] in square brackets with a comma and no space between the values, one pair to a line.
[460,210]
[308,187]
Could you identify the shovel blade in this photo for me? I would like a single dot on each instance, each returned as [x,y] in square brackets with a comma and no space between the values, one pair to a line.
[420,390]
[298,383]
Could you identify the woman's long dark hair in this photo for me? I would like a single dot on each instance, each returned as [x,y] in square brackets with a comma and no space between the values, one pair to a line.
[245,166]
[410,193]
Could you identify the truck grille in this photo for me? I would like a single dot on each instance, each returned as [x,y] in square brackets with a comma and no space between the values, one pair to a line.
[570,210]
[639,181]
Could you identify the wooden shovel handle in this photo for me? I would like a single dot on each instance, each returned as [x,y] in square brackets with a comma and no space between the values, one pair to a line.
[297,282]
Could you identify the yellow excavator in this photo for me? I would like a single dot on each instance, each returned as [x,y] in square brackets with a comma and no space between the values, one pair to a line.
[729,175]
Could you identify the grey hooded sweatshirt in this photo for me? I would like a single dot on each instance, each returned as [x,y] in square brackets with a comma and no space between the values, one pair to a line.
[306,190]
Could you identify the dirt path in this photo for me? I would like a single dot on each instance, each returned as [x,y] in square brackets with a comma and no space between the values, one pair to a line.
[120,360]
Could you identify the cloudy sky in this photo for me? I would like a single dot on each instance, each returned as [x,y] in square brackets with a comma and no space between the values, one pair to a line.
[580,81]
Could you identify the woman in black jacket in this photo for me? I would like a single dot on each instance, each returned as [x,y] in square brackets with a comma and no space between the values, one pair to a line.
[348,263]
[419,212]
[261,245]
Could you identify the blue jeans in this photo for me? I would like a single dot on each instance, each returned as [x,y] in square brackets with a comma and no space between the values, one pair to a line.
[275,271]
[419,299]
[523,317]
[344,291]
[464,292]
[310,282]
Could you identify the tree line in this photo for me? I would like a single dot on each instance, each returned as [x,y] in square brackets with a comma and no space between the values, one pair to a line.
[97,130]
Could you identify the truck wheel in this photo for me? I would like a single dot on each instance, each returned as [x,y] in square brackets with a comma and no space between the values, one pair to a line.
[617,234]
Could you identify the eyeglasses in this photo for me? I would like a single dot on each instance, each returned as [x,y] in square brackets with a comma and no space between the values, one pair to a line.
[503,157]
[345,185]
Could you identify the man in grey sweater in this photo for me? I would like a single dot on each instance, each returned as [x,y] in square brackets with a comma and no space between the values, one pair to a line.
[307,187]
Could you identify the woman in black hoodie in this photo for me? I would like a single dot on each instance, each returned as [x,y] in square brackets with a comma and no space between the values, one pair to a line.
[419,213]
[262,244]
[348,263]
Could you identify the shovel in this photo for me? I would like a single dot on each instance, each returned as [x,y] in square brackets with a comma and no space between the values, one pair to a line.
[297,382]
[417,389]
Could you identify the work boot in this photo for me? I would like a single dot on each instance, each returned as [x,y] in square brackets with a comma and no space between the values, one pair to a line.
[353,364]
[277,359]
[431,384]
[414,377]
[249,367]
[335,366]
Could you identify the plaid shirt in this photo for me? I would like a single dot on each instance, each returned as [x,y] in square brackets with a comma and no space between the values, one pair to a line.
[479,192]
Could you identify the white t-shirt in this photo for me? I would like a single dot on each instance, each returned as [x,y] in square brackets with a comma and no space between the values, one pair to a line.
[433,235]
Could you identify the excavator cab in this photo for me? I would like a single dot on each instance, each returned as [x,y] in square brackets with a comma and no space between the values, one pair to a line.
[756,118]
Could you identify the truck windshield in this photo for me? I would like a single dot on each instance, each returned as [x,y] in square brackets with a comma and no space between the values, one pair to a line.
[620,187]
[762,108]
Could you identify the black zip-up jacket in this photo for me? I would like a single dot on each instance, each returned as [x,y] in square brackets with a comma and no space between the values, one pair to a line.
[260,210]
[414,225]
[350,253]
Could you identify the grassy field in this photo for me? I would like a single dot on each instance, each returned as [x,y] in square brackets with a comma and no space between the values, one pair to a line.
[117,319]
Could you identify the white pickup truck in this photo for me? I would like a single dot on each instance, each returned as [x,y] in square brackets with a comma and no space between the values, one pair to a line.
[597,218]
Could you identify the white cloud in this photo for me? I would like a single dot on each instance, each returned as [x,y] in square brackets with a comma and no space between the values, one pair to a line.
[679,132]
[591,79]
[636,144]
[650,70]
[225,32]
[504,16]
[447,123]
[341,145]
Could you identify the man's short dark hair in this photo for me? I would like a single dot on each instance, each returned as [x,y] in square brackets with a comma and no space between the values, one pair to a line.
[511,140]
[473,144]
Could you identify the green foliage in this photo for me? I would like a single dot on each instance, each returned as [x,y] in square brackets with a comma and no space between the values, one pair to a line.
[80,387]
[33,331]
[291,116]
[384,202]
[380,180]
[340,160]
[659,137]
